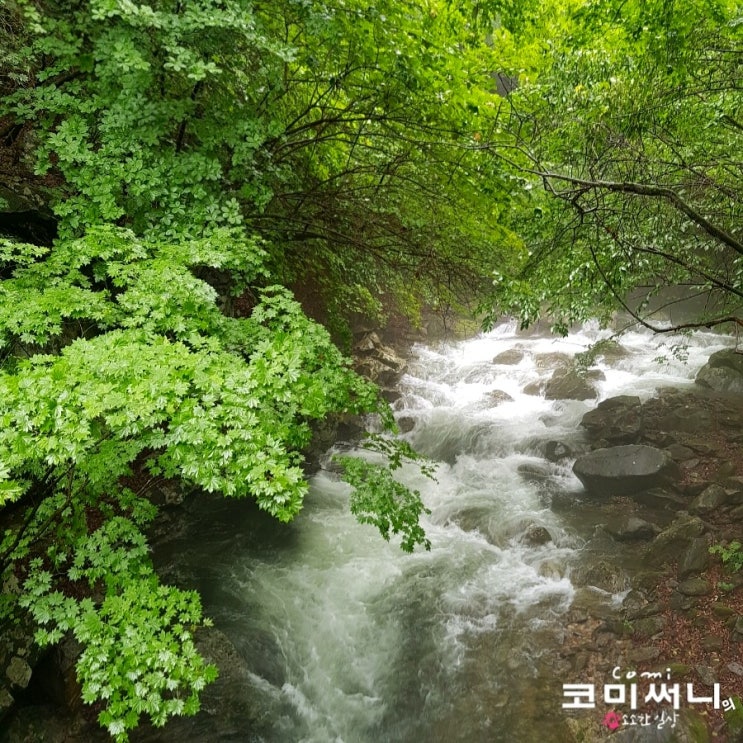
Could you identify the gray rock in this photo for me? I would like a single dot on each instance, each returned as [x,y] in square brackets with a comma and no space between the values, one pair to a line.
[630,528]
[610,350]
[723,372]
[536,536]
[687,418]
[406,424]
[695,559]
[533,388]
[554,451]
[553,360]
[649,626]
[710,499]
[680,453]
[624,470]
[600,574]
[510,357]
[675,539]
[497,397]
[617,420]
[735,668]
[534,471]
[377,362]
[568,384]
[695,587]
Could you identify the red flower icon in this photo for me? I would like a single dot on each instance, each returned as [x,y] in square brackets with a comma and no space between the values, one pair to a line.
[612,720]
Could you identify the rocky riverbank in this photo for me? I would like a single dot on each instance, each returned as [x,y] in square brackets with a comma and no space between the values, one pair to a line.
[683,614]
[676,607]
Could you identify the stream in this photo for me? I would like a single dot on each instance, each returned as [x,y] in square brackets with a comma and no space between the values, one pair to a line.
[349,640]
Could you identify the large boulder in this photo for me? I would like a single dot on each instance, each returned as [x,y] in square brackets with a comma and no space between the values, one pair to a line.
[617,420]
[723,372]
[624,470]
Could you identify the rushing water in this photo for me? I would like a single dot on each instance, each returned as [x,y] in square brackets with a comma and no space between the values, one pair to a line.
[348,639]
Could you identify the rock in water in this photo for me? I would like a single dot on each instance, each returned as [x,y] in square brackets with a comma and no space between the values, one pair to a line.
[568,384]
[617,420]
[624,470]
[723,372]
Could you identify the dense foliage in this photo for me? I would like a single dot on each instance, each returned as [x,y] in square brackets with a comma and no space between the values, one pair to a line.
[627,127]
[200,157]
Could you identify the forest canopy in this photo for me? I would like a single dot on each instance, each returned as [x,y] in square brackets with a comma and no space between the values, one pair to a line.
[202,160]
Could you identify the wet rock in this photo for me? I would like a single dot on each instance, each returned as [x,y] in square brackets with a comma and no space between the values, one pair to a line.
[695,587]
[554,360]
[534,471]
[533,388]
[675,539]
[631,528]
[701,446]
[610,350]
[660,498]
[695,559]
[633,602]
[406,424]
[536,535]
[695,487]
[624,470]
[551,569]
[569,384]
[689,418]
[497,397]
[649,626]
[680,453]
[554,451]
[648,610]
[377,362]
[600,574]
[723,372]
[510,357]
[617,420]
[710,499]
[647,579]
[18,672]
[383,373]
